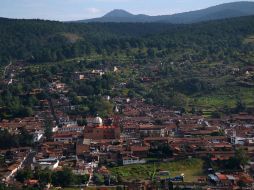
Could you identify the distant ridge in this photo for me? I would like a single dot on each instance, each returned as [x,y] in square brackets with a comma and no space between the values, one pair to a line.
[227,10]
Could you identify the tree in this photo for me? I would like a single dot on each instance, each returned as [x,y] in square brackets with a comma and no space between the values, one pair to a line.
[25,139]
[81,179]
[2,161]
[63,178]
[151,53]
[44,176]
[216,114]
[8,140]
[4,187]
[98,179]
[160,150]
[82,122]
[240,106]
[242,157]
[232,163]
[241,184]
[170,185]
[48,125]
[119,187]
[28,111]
[102,107]
[23,175]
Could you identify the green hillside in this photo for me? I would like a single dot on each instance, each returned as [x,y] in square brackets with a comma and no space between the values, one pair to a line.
[200,67]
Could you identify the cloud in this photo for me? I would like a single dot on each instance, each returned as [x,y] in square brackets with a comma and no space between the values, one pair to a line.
[93,11]
[115,1]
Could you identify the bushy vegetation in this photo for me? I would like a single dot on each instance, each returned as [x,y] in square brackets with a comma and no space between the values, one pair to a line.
[8,140]
[63,178]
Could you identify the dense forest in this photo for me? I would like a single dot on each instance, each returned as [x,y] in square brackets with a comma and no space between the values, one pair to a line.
[48,41]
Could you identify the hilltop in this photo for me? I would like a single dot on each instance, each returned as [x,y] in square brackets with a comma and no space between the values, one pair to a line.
[227,10]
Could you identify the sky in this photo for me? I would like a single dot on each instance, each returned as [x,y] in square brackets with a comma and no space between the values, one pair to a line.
[66,10]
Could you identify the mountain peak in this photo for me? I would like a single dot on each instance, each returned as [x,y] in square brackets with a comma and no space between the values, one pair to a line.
[118,13]
[222,11]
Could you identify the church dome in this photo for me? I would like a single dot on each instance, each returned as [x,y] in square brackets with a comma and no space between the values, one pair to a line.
[97,121]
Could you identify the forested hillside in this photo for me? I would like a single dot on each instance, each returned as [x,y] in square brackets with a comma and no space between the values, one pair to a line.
[202,66]
[44,41]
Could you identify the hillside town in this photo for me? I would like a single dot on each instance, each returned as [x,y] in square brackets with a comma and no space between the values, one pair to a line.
[137,133]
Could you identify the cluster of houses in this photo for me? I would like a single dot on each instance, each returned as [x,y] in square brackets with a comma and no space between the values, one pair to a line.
[12,160]
[126,138]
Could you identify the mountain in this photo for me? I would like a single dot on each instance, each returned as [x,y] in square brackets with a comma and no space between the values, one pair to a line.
[118,13]
[227,10]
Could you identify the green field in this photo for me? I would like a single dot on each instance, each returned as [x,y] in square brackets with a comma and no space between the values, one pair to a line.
[191,168]
[216,101]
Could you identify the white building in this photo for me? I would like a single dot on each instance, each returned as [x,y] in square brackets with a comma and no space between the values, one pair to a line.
[71,128]
[241,140]
[38,135]
[50,163]
[133,160]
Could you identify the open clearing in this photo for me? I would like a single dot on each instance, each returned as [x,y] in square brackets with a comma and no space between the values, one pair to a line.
[191,168]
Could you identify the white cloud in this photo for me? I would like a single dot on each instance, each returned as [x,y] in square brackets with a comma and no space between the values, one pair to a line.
[93,10]
[115,1]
